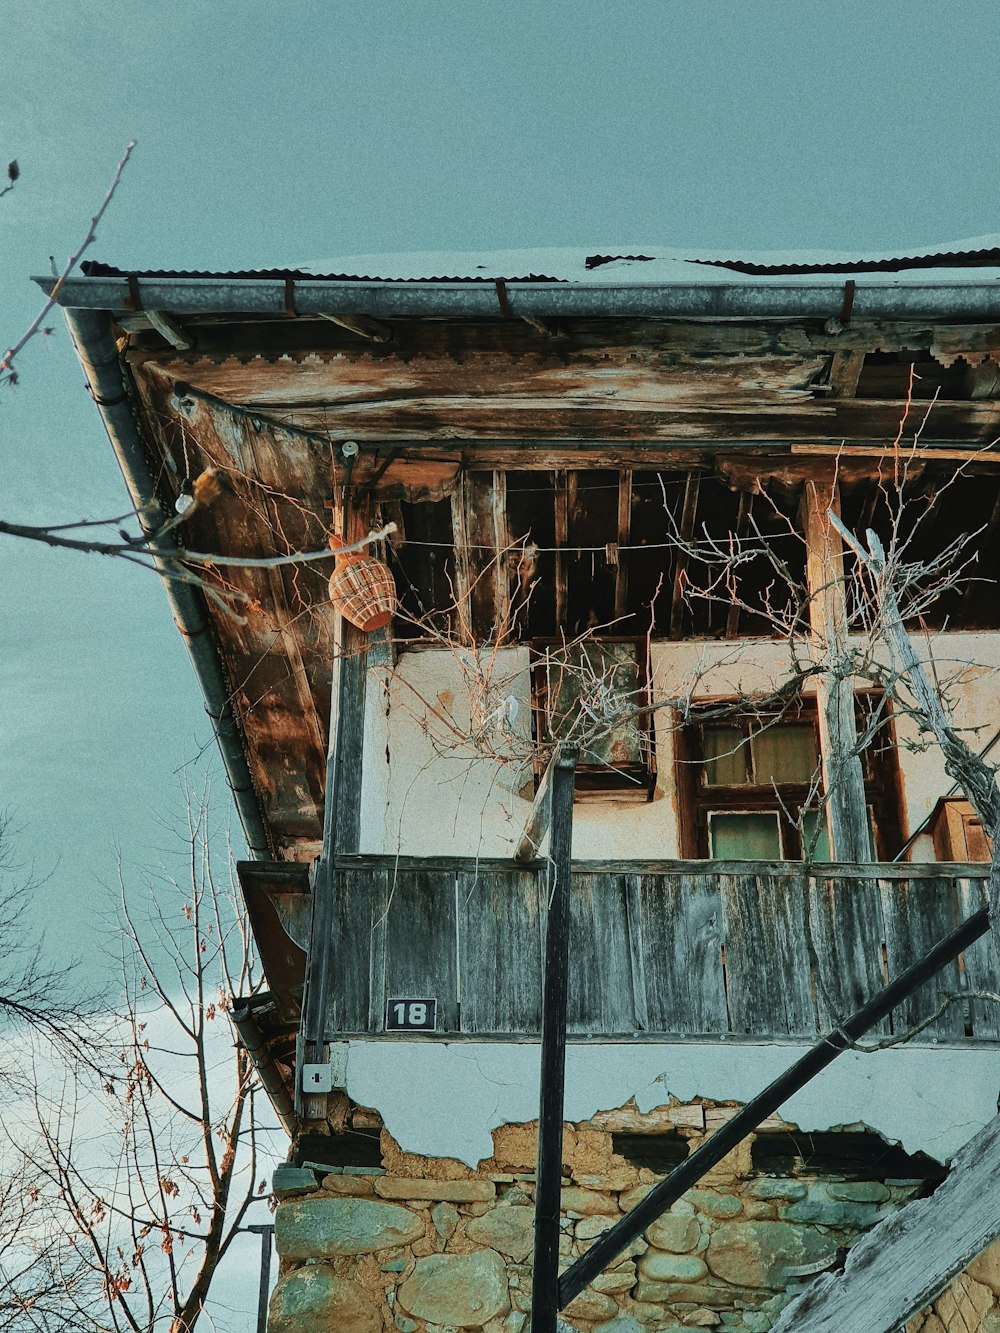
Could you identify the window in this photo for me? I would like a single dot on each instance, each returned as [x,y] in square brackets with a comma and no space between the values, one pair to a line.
[595,693]
[750,788]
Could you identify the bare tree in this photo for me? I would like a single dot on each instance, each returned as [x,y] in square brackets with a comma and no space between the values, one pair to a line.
[149,1175]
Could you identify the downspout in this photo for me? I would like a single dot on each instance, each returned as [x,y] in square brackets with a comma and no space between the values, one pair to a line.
[92,335]
[252,1040]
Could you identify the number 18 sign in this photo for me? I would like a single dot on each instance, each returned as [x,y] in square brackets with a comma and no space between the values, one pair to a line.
[406,1015]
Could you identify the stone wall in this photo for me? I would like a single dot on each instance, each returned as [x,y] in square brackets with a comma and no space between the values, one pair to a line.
[426,1245]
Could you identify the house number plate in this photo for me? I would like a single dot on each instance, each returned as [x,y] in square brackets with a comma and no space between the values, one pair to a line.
[406,1015]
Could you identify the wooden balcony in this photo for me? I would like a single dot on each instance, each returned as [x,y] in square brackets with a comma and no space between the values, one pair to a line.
[659,949]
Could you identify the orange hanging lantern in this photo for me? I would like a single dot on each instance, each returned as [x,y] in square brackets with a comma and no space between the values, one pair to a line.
[362,588]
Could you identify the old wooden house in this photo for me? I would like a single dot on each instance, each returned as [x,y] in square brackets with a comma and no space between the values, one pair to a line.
[603,484]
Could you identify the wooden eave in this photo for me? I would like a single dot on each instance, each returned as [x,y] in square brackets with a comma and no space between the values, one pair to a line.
[442,397]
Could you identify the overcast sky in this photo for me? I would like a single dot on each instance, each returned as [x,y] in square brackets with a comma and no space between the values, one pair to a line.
[274,133]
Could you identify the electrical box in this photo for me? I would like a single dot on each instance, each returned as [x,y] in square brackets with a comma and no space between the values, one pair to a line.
[317,1078]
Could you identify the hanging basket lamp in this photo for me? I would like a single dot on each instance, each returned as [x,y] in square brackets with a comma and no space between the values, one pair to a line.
[362,588]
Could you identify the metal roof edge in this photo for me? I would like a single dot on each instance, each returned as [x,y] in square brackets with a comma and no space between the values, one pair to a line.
[389,299]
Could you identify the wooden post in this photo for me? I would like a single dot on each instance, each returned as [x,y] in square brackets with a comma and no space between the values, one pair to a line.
[548,1176]
[341,829]
[843,773]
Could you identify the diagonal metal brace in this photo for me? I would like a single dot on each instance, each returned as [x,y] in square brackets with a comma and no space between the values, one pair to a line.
[608,1246]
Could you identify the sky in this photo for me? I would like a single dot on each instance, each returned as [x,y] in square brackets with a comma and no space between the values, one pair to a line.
[269,134]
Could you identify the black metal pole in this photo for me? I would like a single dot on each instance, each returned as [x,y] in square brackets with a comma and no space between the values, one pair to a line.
[265,1230]
[683,1177]
[548,1176]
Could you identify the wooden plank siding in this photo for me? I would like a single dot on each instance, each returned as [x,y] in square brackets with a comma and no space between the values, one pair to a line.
[671,949]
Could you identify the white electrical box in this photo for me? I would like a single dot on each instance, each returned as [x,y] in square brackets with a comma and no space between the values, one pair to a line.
[317,1078]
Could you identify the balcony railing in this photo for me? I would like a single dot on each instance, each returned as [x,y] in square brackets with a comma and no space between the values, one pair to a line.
[658,949]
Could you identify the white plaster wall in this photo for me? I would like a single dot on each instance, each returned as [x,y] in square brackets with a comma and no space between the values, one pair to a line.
[442,1099]
[424,795]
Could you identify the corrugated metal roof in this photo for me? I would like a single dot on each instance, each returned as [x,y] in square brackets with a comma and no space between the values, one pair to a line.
[580,264]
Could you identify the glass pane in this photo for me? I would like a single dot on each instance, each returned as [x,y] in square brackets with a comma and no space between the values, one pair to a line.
[725,756]
[814,827]
[744,837]
[786,752]
[595,690]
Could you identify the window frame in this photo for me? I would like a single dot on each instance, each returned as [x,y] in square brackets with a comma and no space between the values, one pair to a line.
[698,800]
[596,781]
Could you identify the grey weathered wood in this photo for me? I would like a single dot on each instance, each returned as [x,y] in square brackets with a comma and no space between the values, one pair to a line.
[909,1259]
[636,937]
[499,950]
[357,907]
[845,928]
[600,986]
[847,810]
[420,954]
[976,870]
[917,914]
[537,824]
[647,946]
[982,964]
[767,964]
[845,372]
[681,960]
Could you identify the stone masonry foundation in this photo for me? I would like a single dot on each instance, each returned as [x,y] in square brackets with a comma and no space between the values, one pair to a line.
[426,1245]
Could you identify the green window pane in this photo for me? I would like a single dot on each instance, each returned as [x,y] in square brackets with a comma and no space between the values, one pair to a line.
[815,838]
[744,837]
[725,756]
[786,752]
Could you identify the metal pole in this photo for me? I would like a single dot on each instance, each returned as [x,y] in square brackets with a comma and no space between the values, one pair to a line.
[265,1230]
[683,1177]
[548,1176]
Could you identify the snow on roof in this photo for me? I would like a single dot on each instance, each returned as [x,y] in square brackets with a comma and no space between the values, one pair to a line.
[976,259]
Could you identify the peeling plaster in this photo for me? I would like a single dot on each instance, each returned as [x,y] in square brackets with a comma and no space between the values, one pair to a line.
[442,1099]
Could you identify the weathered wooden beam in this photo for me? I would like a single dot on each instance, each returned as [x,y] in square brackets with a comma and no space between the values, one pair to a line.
[560,557]
[901,1265]
[845,371]
[624,528]
[341,830]
[847,808]
[537,824]
[168,327]
[364,326]
[548,1176]
[742,520]
[689,510]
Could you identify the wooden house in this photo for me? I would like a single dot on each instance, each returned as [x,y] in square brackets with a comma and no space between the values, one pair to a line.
[602,481]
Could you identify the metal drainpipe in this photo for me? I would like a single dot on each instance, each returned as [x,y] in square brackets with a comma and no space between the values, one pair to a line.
[95,344]
[256,1047]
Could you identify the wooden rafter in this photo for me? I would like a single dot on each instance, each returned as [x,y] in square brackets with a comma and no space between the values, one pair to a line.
[624,529]
[689,511]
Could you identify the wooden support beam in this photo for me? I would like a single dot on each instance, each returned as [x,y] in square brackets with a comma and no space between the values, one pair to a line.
[624,529]
[845,371]
[341,831]
[742,520]
[501,547]
[168,327]
[560,558]
[537,824]
[906,1261]
[689,511]
[373,330]
[843,774]
[548,1176]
